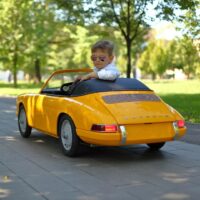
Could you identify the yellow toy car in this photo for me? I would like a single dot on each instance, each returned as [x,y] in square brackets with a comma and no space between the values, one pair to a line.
[98,112]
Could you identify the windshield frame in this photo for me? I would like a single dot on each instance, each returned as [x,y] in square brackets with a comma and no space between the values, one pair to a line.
[86,70]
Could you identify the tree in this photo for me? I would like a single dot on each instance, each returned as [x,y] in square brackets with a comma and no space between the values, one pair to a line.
[187,56]
[155,59]
[14,22]
[40,36]
[191,23]
[70,12]
[70,48]
[162,55]
[128,16]
[26,30]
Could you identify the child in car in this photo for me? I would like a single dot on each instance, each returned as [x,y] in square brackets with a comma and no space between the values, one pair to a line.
[102,56]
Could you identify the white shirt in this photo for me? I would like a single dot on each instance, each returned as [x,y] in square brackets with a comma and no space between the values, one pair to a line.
[110,72]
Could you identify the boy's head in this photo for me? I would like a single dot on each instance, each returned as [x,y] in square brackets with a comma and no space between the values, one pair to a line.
[102,53]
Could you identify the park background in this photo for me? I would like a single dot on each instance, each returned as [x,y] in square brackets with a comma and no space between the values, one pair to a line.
[156,41]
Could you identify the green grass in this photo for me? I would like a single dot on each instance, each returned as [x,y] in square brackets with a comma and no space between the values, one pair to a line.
[165,87]
[7,89]
[184,96]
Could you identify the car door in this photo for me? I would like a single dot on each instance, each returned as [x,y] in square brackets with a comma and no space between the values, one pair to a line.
[37,112]
[51,110]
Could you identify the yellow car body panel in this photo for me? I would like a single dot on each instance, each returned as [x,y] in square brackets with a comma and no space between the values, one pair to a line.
[143,121]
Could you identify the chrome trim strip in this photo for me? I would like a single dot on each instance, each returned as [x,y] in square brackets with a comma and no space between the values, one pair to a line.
[123,134]
[176,130]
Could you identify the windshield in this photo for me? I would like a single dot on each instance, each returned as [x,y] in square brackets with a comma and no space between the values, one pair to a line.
[59,79]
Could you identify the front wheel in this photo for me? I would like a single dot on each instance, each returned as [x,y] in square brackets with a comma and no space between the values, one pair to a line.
[67,135]
[24,128]
[156,146]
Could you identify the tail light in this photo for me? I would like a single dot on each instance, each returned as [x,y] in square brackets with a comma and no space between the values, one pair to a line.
[177,126]
[180,123]
[104,128]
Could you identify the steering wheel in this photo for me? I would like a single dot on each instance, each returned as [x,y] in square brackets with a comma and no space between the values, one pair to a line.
[65,87]
[69,87]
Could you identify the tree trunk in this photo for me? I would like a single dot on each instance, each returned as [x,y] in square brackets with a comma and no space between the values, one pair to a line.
[135,66]
[153,76]
[128,45]
[37,71]
[15,60]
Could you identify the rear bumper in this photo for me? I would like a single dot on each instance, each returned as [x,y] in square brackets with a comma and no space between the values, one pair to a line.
[133,134]
[107,139]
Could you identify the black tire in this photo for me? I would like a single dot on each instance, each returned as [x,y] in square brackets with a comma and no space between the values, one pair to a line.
[24,128]
[156,146]
[68,138]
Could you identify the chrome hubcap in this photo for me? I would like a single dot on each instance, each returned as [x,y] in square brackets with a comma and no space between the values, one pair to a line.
[66,135]
[22,120]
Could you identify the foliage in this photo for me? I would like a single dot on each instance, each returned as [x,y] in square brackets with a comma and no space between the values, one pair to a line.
[129,18]
[155,59]
[41,35]
[188,56]
[70,48]
[167,9]
[41,32]
[162,55]
[191,23]
[25,30]
[14,24]
[70,12]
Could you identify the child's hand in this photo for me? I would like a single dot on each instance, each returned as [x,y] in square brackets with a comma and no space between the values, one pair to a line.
[84,78]
[81,78]
[77,79]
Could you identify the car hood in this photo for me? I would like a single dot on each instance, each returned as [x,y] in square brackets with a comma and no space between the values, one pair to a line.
[135,107]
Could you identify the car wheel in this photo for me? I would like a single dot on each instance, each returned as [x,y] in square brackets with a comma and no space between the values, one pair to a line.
[24,128]
[67,135]
[156,146]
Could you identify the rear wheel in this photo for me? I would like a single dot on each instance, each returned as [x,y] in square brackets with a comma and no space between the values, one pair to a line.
[156,146]
[69,141]
[24,128]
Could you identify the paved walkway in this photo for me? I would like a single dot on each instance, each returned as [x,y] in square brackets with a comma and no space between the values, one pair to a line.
[194,134]
[35,169]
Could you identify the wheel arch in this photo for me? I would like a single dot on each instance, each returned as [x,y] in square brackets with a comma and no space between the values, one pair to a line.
[21,104]
[26,131]
[58,120]
[18,107]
